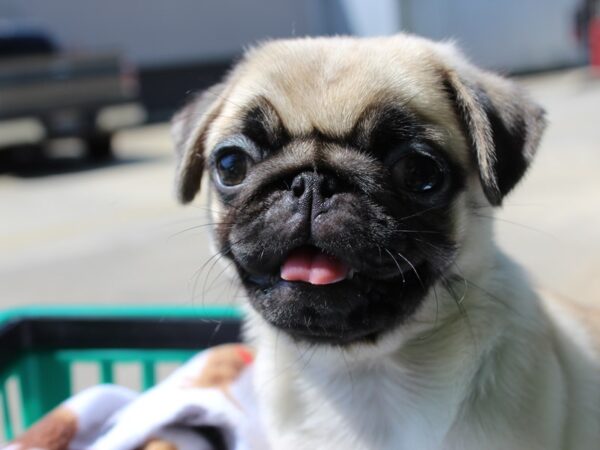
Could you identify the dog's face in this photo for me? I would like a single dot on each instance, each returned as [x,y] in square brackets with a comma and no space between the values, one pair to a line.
[346,172]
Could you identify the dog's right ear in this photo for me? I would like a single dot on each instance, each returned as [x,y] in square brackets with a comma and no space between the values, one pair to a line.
[188,129]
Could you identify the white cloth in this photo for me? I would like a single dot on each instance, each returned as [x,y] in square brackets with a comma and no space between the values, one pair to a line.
[111,417]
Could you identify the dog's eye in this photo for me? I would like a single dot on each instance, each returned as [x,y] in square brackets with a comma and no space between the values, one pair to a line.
[417,173]
[232,166]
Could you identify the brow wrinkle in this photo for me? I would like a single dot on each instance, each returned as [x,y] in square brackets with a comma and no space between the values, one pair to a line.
[262,123]
[382,125]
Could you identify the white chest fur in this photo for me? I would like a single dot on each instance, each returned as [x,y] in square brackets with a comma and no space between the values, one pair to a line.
[498,382]
[367,407]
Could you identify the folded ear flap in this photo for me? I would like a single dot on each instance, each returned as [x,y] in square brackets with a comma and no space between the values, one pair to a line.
[188,129]
[503,127]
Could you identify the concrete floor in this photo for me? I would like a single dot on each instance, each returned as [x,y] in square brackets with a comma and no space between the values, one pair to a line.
[78,234]
[551,224]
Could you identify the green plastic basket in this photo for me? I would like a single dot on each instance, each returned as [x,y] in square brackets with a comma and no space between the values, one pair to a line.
[40,347]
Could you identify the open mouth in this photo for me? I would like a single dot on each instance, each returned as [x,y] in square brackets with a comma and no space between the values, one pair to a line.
[311,265]
[314,267]
[320,297]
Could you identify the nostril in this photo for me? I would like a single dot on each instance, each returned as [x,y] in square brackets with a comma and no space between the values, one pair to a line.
[321,186]
[329,187]
[298,186]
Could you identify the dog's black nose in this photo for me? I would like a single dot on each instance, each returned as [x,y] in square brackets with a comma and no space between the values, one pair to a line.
[312,188]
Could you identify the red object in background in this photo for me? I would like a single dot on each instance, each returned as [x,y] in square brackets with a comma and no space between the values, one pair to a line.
[594,42]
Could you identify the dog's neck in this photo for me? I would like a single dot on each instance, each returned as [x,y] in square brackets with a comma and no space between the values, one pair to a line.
[402,392]
[416,386]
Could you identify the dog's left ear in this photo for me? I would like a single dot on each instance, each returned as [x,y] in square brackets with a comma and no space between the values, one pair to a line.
[188,129]
[503,126]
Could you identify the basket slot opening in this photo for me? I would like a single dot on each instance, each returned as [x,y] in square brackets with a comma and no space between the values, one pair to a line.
[6,432]
[128,374]
[164,369]
[12,408]
[83,376]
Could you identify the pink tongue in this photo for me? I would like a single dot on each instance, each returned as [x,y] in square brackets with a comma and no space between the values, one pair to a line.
[313,266]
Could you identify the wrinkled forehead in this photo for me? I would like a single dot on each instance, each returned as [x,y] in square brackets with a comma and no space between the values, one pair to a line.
[329,88]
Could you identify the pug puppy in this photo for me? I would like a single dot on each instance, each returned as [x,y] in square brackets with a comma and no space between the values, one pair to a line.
[353,181]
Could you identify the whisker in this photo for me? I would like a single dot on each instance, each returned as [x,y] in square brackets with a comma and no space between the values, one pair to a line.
[397,265]
[214,258]
[198,272]
[517,224]
[417,214]
[412,267]
[419,231]
[198,227]
[461,309]
[350,376]
[216,279]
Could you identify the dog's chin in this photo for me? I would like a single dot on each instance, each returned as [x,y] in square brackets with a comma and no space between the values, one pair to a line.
[359,309]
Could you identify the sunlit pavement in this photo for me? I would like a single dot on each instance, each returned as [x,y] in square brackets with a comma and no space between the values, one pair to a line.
[114,234]
[552,222]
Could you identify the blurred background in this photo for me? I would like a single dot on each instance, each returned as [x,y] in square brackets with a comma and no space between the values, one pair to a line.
[87,212]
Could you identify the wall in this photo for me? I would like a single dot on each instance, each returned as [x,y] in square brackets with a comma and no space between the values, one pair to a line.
[508,34]
[158,32]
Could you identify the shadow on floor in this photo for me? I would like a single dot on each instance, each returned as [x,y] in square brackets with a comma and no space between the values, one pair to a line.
[36,161]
